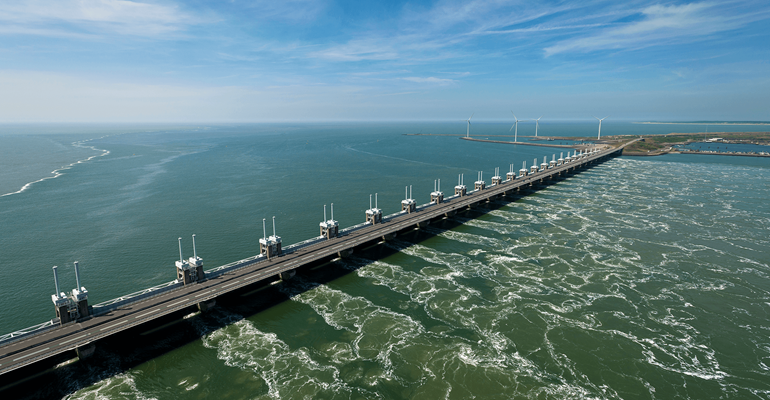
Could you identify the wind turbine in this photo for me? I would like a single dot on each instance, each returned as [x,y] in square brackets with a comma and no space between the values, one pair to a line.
[515,124]
[537,123]
[468,132]
[599,136]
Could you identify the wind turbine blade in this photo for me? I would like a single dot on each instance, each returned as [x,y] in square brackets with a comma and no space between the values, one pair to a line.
[605,117]
[471,116]
[511,128]
[597,118]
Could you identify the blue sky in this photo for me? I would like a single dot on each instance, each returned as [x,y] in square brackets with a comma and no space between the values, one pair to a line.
[298,60]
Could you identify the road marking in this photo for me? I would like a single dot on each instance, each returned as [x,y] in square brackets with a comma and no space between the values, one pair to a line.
[178,302]
[147,313]
[77,338]
[31,354]
[230,284]
[113,325]
[204,293]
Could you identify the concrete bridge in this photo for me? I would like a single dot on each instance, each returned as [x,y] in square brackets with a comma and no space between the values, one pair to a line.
[79,332]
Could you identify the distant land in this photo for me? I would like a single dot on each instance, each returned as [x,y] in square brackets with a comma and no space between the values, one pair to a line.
[654,145]
[707,123]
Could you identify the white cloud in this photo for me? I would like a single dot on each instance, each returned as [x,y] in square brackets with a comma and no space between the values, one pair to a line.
[288,10]
[430,79]
[357,50]
[61,17]
[660,25]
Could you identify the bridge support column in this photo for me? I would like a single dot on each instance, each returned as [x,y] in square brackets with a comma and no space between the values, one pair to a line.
[373,214]
[205,306]
[408,205]
[286,275]
[480,184]
[345,253]
[389,237]
[329,228]
[269,246]
[85,351]
[437,196]
[460,189]
[191,270]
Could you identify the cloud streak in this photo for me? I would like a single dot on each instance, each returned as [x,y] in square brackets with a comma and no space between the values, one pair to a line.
[69,17]
[659,25]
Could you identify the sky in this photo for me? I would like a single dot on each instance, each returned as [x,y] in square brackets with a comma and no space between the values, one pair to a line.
[301,60]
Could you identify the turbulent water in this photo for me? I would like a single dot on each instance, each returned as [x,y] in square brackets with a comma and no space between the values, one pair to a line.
[639,278]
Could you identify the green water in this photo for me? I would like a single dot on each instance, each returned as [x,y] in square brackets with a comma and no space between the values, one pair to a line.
[640,278]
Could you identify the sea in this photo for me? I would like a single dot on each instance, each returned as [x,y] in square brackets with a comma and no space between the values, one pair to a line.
[640,278]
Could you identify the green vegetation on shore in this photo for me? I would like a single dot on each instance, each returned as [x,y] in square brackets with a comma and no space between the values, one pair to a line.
[662,144]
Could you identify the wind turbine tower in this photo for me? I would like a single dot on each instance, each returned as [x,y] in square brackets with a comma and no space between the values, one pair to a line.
[515,125]
[537,123]
[599,136]
[468,132]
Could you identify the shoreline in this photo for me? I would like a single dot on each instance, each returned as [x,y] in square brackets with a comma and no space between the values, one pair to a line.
[702,123]
[694,152]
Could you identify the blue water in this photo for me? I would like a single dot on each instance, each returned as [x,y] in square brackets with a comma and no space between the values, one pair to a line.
[640,278]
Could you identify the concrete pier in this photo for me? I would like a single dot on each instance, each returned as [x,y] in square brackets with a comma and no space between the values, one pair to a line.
[27,349]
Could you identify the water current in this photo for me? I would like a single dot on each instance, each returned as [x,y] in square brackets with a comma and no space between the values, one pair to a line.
[639,278]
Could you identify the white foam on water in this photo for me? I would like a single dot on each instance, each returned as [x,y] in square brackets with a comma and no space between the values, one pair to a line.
[458,263]
[60,171]
[119,386]
[468,238]
[287,372]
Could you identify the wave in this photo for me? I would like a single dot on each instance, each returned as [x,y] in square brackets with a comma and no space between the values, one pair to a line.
[60,171]
[118,386]
[287,372]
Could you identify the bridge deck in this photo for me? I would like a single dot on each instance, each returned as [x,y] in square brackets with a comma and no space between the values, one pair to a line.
[56,341]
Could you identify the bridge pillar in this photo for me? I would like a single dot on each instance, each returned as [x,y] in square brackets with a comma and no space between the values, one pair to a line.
[205,306]
[286,275]
[480,184]
[269,246]
[373,215]
[85,351]
[79,297]
[523,170]
[408,205]
[329,228]
[437,196]
[497,179]
[62,305]
[191,270]
[510,175]
[460,189]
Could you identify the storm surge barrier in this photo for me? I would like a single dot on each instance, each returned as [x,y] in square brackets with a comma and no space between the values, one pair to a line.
[79,326]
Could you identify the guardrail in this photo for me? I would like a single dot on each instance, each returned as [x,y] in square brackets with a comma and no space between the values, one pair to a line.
[35,329]
[109,305]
